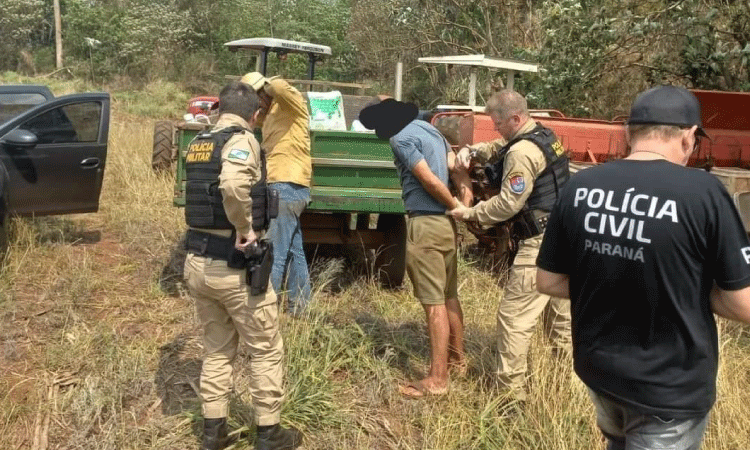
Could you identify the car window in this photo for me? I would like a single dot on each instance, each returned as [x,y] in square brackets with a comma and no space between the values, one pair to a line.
[12,105]
[78,122]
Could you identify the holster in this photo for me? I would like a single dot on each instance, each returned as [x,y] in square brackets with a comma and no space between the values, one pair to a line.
[259,261]
[528,223]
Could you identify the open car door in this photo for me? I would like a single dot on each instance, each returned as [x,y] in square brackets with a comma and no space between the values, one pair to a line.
[55,155]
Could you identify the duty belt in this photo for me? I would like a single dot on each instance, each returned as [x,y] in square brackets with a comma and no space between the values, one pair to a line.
[211,245]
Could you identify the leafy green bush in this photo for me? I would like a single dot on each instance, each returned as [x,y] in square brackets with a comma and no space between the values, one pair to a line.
[22,27]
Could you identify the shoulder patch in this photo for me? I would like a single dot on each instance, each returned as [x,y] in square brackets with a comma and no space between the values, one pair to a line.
[517,183]
[239,154]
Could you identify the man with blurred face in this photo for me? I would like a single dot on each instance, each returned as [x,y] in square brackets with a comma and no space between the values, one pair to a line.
[423,160]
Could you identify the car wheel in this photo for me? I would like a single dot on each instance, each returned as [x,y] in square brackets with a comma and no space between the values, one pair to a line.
[390,259]
[3,234]
[161,158]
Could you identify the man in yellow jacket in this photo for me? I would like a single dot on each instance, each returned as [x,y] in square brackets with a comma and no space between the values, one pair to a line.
[286,141]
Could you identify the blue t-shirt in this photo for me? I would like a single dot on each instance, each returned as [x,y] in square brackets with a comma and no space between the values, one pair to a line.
[416,142]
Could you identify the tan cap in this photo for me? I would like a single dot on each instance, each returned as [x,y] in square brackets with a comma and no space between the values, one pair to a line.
[255,80]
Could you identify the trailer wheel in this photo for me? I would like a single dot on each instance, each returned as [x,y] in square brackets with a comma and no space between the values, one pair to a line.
[161,158]
[390,259]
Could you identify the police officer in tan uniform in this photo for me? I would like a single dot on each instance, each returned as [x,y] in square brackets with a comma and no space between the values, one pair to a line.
[224,183]
[530,169]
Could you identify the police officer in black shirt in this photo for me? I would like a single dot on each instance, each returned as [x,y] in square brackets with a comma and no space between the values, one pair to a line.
[648,250]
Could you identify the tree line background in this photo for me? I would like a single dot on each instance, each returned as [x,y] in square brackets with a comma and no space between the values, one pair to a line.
[594,54]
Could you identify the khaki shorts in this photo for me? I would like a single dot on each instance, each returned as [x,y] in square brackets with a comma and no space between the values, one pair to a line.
[431,259]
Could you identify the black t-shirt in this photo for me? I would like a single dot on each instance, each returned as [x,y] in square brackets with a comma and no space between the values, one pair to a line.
[643,242]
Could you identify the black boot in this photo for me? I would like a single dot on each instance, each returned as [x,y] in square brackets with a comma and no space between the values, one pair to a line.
[214,434]
[275,437]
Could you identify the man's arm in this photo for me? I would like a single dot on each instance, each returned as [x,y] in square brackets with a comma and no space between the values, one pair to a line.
[432,184]
[734,305]
[554,284]
[239,171]
[461,180]
[730,295]
[288,98]
[522,165]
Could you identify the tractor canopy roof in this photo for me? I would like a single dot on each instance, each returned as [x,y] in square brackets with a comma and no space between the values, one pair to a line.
[279,46]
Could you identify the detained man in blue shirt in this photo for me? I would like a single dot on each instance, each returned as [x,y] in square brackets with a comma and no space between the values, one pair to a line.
[422,158]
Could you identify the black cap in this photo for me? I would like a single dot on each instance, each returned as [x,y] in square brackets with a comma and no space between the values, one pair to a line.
[667,105]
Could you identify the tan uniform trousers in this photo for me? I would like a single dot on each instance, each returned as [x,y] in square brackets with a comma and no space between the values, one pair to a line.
[518,313]
[229,314]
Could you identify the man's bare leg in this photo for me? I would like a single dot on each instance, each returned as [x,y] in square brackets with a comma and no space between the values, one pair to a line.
[456,352]
[438,328]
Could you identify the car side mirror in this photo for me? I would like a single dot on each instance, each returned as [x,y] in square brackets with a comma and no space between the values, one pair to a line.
[20,138]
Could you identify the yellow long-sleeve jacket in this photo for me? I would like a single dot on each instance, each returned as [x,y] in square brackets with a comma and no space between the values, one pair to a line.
[286,135]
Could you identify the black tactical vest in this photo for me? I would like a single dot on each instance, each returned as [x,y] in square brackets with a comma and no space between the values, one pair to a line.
[550,181]
[203,200]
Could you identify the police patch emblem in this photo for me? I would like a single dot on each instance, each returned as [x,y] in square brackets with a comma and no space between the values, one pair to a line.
[517,183]
[238,153]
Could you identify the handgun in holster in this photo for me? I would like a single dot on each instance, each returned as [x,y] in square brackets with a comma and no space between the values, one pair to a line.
[528,223]
[259,260]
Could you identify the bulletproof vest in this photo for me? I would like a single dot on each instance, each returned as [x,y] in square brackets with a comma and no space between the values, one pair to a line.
[549,182]
[203,199]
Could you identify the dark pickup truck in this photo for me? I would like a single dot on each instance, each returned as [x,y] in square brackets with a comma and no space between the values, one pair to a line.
[52,152]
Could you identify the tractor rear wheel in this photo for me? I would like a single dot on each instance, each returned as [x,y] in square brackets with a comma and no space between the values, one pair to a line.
[161,158]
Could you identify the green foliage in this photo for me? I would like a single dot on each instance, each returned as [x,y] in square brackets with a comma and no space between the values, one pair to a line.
[165,99]
[594,54]
[574,53]
[22,26]
[597,54]
[323,22]
[717,49]
[139,38]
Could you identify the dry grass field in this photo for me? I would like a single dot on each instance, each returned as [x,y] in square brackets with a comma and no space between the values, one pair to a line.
[100,347]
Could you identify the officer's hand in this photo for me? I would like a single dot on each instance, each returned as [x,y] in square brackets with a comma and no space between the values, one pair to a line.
[464,158]
[242,242]
[459,211]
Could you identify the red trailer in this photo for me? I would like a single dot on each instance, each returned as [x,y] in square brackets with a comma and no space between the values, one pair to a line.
[726,118]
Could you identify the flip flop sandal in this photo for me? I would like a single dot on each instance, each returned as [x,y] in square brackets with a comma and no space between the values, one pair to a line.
[418,390]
